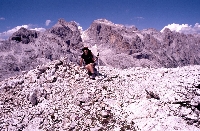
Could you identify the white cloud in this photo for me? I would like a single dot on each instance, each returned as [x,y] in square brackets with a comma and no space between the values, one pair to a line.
[8,33]
[2,18]
[183,28]
[129,26]
[80,28]
[47,22]
[39,29]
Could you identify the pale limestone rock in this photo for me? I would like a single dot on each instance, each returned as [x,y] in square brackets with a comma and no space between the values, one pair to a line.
[117,98]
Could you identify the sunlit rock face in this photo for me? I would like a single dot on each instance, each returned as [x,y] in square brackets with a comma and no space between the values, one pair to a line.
[60,96]
[118,46]
[149,47]
[26,49]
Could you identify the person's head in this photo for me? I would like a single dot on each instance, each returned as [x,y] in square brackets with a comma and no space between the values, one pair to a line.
[85,50]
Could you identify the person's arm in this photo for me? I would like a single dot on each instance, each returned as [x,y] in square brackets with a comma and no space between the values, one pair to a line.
[93,57]
[97,57]
[81,62]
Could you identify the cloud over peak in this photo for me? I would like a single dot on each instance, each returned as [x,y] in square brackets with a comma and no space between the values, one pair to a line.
[47,22]
[8,33]
[183,28]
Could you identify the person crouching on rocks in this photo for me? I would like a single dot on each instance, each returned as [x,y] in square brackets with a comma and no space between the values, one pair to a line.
[89,60]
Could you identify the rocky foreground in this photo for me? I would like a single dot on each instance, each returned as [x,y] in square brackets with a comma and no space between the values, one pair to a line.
[59,96]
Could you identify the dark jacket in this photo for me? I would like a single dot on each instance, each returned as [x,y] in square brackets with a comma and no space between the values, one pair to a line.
[88,58]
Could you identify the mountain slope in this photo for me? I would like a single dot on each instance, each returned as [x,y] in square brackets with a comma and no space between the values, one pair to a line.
[26,49]
[142,47]
[59,96]
[118,46]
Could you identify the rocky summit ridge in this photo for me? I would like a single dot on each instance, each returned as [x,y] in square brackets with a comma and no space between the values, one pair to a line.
[60,96]
[130,47]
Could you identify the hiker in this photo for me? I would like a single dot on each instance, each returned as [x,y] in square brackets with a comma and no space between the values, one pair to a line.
[89,60]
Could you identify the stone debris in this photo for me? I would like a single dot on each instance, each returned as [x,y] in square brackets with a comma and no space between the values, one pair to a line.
[60,96]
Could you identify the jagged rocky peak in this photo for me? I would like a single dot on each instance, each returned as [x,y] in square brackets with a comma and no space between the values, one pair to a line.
[167,30]
[132,28]
[72,25]
[147,47]
[104,22]
[105,32]
[27,48]
[150,31]
[24,35]
[109,23]
[68,31]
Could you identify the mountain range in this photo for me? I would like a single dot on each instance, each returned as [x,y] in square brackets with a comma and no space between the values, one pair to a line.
[147,80]
[129,47]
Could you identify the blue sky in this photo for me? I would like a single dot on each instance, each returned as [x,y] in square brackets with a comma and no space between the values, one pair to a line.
[43,14]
